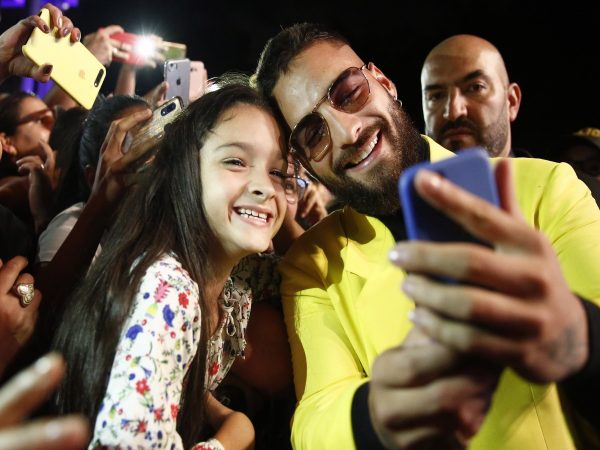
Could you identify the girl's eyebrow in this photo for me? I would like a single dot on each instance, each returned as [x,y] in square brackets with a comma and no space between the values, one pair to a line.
[244,146]
[241,145]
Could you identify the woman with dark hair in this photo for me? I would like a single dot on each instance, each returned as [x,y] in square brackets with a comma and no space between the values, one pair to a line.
[25,124]
[162,314]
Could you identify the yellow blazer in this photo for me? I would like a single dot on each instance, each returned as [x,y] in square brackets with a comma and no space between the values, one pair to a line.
[343,306]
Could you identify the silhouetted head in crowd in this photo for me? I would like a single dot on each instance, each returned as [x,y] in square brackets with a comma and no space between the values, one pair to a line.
[582,150]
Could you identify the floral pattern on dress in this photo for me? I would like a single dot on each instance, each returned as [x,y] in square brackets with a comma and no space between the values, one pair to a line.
[157,344]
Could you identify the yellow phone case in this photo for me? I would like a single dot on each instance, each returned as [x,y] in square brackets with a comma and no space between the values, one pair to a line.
[75,69]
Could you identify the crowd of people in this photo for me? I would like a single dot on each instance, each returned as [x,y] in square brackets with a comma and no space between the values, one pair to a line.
[252,285]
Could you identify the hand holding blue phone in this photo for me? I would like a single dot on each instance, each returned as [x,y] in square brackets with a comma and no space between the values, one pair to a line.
[470,170]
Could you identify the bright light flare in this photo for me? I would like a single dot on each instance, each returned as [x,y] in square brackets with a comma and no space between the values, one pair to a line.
[145,47]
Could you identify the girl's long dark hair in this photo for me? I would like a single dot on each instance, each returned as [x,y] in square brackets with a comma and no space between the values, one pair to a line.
[163,213]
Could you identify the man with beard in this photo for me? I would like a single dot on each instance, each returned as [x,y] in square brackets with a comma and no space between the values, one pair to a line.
[467,97]
[468,100]
[365,378]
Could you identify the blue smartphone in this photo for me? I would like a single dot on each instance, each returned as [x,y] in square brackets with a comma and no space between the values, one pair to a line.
[470,169]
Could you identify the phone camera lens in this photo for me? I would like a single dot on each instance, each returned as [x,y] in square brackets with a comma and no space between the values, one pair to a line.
[167,109]
[99,77]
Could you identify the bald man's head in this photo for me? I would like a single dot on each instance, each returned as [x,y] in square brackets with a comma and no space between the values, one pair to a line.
[467,97]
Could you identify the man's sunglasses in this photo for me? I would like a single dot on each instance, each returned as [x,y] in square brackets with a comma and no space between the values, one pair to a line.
[311,139]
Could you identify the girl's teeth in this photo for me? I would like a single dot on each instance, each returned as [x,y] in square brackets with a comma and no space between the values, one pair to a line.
[252,213]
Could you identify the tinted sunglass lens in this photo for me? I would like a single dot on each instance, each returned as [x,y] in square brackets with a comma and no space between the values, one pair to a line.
[311,136]
[350,91]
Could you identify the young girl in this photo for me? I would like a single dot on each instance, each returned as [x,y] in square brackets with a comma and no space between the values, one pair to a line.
[161,317]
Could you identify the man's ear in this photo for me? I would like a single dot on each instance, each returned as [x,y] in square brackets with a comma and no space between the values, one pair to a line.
[513,93]
[387,84]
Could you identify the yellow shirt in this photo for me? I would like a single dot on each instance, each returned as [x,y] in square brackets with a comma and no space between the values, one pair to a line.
[343,306]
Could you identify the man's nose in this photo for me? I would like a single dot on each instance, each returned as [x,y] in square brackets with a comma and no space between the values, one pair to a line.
[456,106]
[345,128]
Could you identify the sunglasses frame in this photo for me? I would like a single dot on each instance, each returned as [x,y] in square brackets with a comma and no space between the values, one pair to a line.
[300,185]
[301,154]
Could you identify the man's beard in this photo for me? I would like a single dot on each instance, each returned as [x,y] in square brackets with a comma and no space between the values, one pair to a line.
[378,195]
[493,139]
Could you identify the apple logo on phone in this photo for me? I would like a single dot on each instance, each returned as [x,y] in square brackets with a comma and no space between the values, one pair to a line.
[82,74]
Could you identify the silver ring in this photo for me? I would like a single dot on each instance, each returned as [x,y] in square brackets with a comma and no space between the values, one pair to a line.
[25,291]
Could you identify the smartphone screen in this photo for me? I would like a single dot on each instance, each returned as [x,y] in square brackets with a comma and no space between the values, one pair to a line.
[470,169]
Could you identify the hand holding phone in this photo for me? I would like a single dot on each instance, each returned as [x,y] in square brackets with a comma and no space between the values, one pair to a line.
[12,60]
[74,68]
[137,49]
[147,135]
[470,169]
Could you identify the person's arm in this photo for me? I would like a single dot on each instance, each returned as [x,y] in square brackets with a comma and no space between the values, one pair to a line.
[266,365]
[42,183]
[157,345]
[234,429]
[126,80]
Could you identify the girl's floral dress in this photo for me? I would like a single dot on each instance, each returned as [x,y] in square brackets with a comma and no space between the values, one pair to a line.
[158,342]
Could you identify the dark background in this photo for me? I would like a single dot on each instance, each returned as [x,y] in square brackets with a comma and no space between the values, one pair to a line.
[552,51]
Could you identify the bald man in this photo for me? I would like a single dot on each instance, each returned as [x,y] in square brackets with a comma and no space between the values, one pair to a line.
[467,97]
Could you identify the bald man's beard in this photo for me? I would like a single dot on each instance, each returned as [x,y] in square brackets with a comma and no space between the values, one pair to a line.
[493,138]
[378,194]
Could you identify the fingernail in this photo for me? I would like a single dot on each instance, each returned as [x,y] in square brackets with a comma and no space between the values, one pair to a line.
[421,317]
[59,429]
[43,365]
[53,430]
[399,254]
[432,179]
[410,285]
[46,28]
[59,22]
[78,35]
[47,69]
[66,31]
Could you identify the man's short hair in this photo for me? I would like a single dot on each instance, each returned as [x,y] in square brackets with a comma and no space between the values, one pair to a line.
[285,46]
